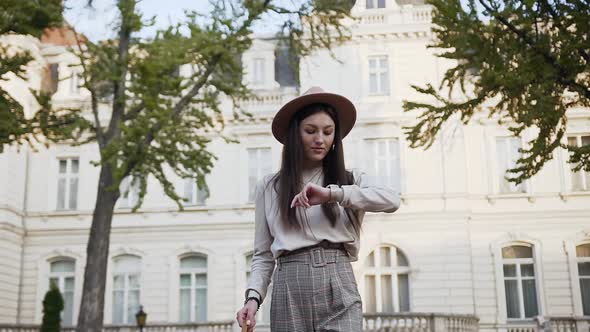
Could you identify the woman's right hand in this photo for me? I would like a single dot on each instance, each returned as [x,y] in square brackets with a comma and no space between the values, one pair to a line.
[247,315]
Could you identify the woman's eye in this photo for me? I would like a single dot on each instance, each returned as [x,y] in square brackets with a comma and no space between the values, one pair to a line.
[328,133]
[309,131]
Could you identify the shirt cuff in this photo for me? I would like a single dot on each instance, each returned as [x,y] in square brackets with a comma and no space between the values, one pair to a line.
[253,293]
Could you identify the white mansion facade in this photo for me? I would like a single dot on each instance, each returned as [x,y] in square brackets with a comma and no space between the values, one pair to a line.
[463,241]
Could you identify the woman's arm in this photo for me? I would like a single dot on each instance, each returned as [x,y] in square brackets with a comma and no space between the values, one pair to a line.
[262,261]
[366,196]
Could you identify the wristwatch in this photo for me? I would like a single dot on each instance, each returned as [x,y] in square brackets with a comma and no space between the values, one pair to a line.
[336,193]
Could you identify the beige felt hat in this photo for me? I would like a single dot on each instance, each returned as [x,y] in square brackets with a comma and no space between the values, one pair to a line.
[343,107]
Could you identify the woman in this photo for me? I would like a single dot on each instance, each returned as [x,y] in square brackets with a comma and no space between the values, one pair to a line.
[308,219]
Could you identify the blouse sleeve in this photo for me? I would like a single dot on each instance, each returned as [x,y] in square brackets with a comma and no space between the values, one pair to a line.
[368,195]
[262,260]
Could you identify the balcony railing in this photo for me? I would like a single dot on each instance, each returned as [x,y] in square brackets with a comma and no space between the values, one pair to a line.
[226,326]
[551,324]
[420,322]
[412,15]
[396,322]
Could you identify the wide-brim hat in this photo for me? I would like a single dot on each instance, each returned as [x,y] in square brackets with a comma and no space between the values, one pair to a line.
[315,95]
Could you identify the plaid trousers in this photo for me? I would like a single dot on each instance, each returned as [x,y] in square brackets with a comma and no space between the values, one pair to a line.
[315,291]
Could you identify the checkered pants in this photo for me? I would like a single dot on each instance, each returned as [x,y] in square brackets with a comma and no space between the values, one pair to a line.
[315,291]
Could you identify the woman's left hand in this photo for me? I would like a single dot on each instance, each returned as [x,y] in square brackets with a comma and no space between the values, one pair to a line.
[312,194]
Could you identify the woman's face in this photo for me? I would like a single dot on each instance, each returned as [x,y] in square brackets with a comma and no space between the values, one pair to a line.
[317,135]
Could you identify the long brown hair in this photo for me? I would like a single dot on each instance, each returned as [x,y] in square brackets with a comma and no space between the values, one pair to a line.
[287,182]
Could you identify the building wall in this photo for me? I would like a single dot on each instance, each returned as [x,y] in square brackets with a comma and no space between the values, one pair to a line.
[451,226]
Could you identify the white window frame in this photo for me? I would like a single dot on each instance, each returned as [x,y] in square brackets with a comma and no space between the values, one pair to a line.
[68,177]
[259,169]
[193,287]
[512,239]
[377,71]
[573,260]
[585,175]
[394,271]
[391,179]
[518,262]
[375,4]
[524,187]
[126,288]
[198,196]
[61,276]
[584,259]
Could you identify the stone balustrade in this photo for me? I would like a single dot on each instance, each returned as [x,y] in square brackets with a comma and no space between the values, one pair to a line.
[419,322]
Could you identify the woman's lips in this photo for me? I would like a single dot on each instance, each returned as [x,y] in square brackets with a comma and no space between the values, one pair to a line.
[317,150]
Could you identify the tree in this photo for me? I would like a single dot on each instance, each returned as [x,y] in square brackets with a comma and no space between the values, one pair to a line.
[53,304]
[525,63]
[30,17]
[160,121]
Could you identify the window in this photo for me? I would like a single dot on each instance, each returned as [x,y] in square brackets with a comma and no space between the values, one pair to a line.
[126,288]
[259,164]
[375,4]
[378,75]
[384,161]
[583,260]
[194,194]
[62,274]
[67,184]
[263,315]
[129,191]
[520,282]
[258,76]
[193,289]
[507,154]
[386,278]
[580,179]
[75,81]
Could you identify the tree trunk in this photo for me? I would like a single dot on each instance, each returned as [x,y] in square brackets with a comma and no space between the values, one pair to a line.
[90,317]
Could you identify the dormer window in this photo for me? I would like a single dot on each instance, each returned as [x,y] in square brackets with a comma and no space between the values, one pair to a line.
[375,4]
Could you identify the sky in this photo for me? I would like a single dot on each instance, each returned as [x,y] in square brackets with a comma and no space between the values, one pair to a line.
[97,23]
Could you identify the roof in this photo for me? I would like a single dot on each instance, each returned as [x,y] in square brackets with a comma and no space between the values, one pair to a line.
[62,36]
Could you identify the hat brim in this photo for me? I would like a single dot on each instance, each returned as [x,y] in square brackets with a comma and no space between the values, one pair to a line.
[343,107]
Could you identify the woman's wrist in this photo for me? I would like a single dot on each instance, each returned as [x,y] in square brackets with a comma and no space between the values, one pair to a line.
[336,193]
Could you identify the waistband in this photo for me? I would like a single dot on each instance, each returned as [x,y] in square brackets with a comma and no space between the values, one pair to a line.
[316,256]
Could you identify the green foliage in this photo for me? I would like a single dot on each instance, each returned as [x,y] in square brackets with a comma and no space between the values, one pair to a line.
[524,63]
[53,304]
[163,121]
[31,17]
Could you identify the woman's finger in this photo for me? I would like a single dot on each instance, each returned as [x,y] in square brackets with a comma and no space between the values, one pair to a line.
[304,193]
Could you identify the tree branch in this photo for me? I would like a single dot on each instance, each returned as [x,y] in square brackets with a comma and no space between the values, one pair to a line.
[119,85]
[93,100]
[551,60]
[557,22]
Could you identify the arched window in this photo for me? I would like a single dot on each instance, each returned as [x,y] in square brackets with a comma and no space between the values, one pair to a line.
[386,281]
[583,260]
[62,273]
[520,282]
[263,316]
[193,288]
[126,288]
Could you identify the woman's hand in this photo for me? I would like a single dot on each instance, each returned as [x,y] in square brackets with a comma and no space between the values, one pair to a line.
[247,315]
[312,194]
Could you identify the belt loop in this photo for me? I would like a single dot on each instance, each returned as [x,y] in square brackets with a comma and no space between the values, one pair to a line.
[318,257]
